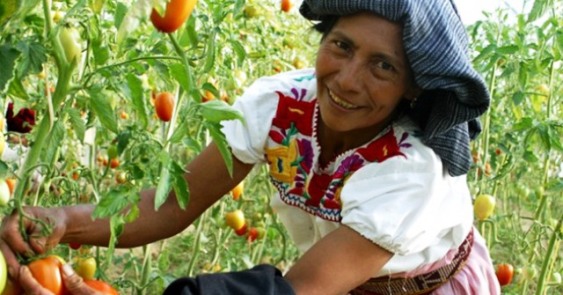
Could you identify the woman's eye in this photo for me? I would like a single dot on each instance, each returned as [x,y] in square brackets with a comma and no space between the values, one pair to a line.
[384,65]
[342,45]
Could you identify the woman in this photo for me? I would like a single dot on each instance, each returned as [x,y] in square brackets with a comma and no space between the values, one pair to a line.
[368,152]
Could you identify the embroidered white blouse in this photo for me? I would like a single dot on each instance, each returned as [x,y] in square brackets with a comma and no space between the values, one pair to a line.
[393,190]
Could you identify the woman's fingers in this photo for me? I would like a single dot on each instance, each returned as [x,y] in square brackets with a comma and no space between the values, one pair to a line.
[10,233]
[74,283]
[29,284]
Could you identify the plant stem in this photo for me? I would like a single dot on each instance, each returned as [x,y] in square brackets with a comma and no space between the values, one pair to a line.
[549,256]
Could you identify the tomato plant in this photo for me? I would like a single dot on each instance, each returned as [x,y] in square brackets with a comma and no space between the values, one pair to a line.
[164,105]
[504,272]
[47,273]
[177,11]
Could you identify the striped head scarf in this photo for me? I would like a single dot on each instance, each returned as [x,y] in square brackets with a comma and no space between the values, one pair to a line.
[436,44]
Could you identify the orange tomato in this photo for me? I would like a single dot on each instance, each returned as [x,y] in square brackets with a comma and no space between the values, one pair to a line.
[114,163]
[11,182]
[46,272]
[236,192]
[102,287]
[164,106]
[176,14]
[286,5]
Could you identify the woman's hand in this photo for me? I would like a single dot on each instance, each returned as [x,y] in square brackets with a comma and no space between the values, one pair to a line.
[74,284]
[43,228]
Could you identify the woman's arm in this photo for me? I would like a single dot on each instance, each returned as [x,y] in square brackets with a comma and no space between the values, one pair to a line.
[336,264]
[208,180]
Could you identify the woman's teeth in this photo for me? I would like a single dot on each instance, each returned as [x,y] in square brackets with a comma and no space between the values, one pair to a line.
[339,101]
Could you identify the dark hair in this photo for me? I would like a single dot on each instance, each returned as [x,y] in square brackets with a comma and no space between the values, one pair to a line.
[325,25]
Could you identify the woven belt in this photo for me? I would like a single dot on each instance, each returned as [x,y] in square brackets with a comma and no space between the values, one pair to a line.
[421,284]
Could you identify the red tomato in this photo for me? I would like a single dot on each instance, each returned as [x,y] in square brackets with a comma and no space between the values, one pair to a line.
[46,272]
[177,12]
[101,286]
[242,231]
[252,234]
[164,106]
[74,245]
[114,163]
[286,5]
[504,272]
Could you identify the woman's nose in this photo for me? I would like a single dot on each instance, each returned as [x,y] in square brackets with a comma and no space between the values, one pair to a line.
[348,77]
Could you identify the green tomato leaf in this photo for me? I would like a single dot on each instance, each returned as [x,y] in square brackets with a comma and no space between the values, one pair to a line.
[135,87]
[217,110]
[33,56]
[178,71]
[76,123]
[221,142]
[180,185]
[164,183]
[115,201]
[102,107]
[239,51]
[8,56]
[539,8]
[17,89]
[7,10]
[180,131]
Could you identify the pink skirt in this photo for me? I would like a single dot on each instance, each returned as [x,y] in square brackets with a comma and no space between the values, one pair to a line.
[477,277]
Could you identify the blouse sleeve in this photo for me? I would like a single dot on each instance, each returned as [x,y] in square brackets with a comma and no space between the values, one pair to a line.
[258,105]
[406,204]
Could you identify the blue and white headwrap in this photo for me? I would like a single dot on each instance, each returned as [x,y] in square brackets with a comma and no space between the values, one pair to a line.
[436,44]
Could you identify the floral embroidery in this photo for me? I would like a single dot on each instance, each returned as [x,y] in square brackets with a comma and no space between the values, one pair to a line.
[291,154]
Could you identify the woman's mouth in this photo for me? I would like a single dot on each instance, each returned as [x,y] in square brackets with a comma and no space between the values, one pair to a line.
[341,102]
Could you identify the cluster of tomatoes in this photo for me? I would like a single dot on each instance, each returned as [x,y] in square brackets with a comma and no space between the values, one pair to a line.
[236,220]
[47,271]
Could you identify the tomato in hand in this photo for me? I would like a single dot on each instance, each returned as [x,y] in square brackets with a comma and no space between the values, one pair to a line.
[504,273]
[46,272]
[164,106]
[101,286]
[177,12]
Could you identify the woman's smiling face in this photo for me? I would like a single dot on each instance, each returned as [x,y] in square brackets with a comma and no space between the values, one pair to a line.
[362,73]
